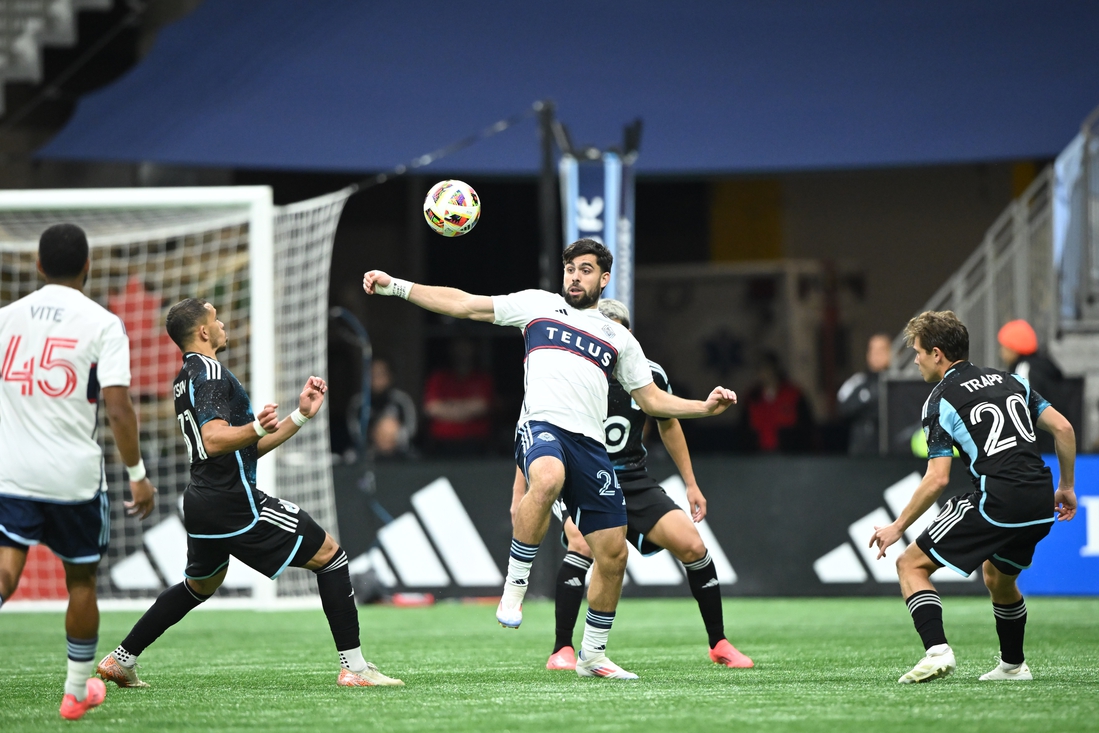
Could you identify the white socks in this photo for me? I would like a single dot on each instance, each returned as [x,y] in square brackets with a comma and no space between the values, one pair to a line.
[76,683]
[352,659]
[124,658]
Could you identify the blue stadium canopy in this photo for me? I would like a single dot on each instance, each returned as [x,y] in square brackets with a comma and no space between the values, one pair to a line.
[722,85]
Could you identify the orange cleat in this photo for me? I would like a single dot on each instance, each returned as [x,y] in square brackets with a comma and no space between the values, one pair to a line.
[563,658]
[111,670]
[73,709]
[369,677]
[727,655]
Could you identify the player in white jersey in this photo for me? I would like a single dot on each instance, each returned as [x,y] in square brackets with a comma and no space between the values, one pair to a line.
[60,351]
[572,351]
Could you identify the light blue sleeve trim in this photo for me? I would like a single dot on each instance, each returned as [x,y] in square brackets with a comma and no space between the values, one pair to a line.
[955,427]
[944,563]
[292,553]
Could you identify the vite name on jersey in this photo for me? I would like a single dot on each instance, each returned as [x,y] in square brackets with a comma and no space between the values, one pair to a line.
[545,333]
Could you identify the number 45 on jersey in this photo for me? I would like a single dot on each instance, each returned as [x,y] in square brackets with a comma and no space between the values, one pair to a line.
[48,361]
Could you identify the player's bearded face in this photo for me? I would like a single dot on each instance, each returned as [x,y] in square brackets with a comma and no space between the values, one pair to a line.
[583,282]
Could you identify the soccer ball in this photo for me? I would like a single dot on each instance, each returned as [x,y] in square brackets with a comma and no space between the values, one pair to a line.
[452,208]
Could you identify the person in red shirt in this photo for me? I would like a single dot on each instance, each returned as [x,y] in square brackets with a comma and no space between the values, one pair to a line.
[458,402]
[777,412]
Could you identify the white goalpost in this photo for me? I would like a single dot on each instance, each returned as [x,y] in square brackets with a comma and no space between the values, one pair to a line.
[266,269]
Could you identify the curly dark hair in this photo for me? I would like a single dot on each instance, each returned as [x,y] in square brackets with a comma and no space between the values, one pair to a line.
[603,256]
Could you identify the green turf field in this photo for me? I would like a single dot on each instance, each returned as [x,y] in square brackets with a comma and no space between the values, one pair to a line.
[822,665]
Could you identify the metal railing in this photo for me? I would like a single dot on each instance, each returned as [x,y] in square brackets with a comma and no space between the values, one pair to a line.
[1011,275]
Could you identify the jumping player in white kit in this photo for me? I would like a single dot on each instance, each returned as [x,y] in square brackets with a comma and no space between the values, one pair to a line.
[572,349]
[61,351]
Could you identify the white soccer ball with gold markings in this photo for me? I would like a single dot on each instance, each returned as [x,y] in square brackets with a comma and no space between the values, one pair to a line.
[452,208]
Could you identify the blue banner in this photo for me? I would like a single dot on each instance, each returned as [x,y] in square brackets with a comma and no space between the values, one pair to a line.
[1066,562]
[597,203]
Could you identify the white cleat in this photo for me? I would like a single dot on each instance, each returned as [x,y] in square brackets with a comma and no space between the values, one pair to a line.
[600,666]
[939,662]
[1002,671]
[510,611]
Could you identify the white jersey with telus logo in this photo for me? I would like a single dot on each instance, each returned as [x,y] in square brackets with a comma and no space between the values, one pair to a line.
[571,353]
[58,347]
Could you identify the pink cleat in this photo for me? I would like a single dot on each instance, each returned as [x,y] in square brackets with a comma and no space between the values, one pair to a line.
[73,709]
[727,655]
[563,658]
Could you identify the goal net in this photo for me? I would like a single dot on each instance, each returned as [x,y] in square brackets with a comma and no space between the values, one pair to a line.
[266,269]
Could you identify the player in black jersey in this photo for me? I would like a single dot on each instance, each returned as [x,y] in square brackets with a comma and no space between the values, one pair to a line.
[225,514]
[990,417]
[655,521]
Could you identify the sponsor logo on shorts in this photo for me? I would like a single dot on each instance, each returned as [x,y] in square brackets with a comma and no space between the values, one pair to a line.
[548,437]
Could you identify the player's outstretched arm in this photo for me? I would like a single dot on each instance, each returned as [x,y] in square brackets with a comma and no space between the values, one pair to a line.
[1064,442]
[671,434]
[658,403]
[309,403]
[123,421]
[934,481]
[447,301]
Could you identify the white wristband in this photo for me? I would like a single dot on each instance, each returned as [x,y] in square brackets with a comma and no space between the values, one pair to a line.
[298,418]
[397,286]
[137,473]
[259,428]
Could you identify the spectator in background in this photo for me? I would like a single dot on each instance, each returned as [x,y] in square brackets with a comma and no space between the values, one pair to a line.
[458,400]
[777,412]
[1019,350]
[392,414]
[857,399]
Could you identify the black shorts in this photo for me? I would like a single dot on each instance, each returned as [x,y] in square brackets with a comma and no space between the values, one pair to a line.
[279,534]
[963,536]
[646,504]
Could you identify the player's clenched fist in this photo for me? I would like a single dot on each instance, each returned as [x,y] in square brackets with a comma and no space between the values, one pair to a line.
[720,400]
[375,279]
[268,418]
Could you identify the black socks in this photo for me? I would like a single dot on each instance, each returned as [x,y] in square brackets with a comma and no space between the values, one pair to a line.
[927,615]
[1010,626]
[338,601]
[702,577]
[569,595]
[170,607]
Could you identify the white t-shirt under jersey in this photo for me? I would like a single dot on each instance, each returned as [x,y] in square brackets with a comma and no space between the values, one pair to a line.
[571,354]
[58,347]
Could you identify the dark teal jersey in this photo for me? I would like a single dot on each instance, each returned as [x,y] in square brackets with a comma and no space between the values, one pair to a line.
[205,390]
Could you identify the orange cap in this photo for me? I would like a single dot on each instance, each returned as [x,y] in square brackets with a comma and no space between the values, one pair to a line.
[1018,336]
